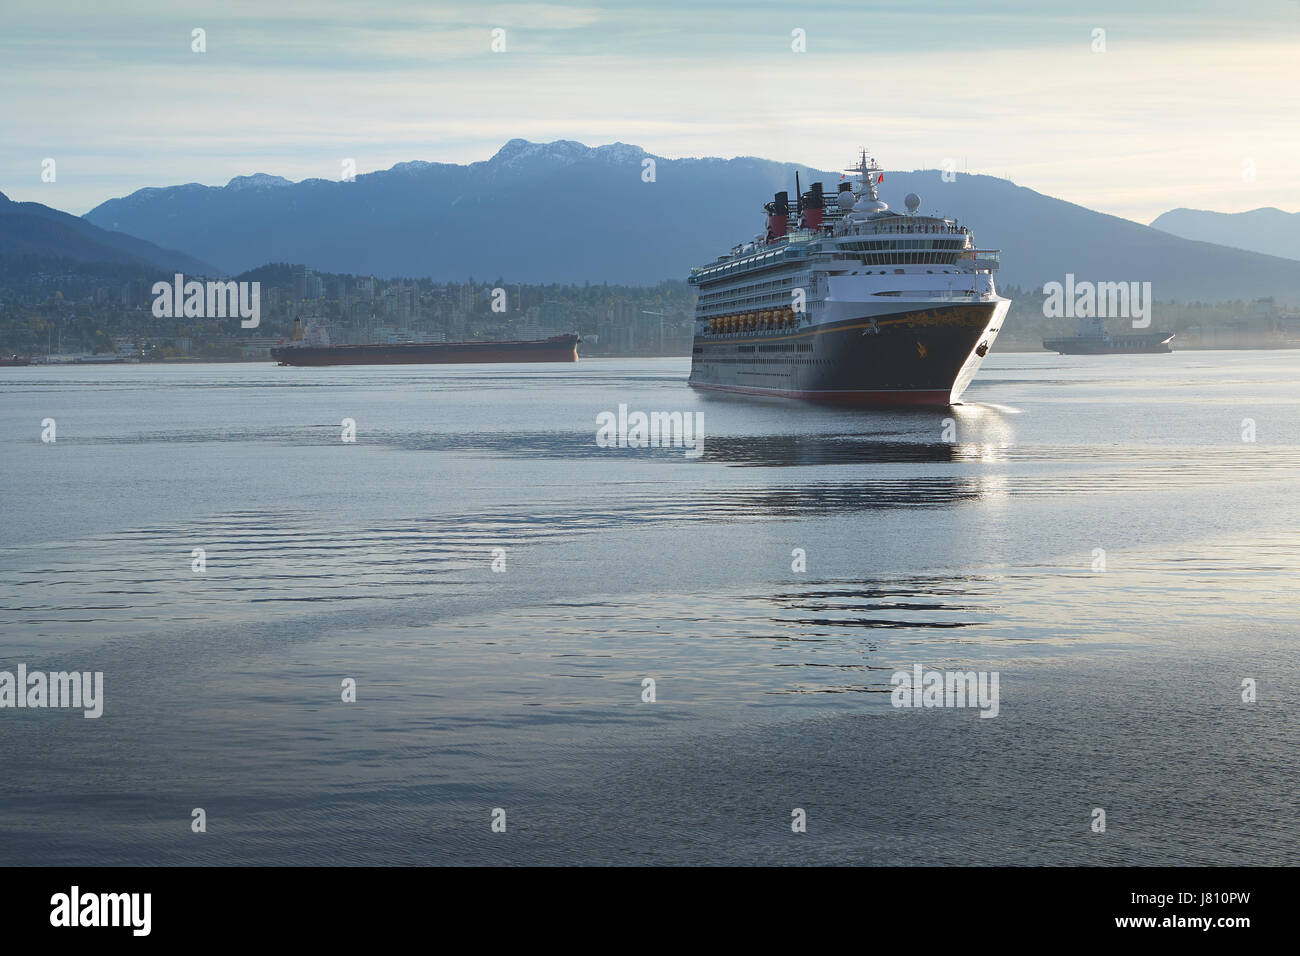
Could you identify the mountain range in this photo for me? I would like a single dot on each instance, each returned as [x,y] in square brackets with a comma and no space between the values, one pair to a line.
[566,212]
[31,229]
[1266,230]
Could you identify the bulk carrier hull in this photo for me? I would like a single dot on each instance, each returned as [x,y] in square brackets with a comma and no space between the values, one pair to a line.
[559,348]
[923,357]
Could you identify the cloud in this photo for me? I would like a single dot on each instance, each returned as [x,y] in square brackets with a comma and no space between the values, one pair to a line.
[1184,94]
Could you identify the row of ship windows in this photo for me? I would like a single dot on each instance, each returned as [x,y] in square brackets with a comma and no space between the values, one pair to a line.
[718,310]
[763,361]
[755,294]
[745,264]
[906,244]
[742,265]
[783,347]
[910,259]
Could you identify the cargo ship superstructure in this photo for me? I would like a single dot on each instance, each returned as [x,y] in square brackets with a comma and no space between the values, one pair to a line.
[842,300]
[1093,339]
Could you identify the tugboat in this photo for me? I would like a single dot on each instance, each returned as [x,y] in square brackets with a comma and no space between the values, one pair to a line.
[839,299]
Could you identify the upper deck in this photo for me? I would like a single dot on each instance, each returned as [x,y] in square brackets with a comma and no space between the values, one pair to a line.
[851,228]
[890,240]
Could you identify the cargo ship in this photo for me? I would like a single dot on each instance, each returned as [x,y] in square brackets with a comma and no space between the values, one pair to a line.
[311,347]
[840,299]
[1093,339]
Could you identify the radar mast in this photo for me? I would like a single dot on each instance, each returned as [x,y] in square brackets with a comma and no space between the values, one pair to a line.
[868,173]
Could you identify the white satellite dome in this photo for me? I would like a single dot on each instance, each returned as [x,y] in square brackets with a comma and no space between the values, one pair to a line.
[846,201]
[866,207]
[912,201]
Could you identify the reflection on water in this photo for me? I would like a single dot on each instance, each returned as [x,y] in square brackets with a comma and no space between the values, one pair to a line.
[512,706]
[262,557]
[523,688]
[257,558]
[991,441]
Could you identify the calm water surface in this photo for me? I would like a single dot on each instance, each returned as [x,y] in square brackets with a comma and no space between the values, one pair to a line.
[522,689]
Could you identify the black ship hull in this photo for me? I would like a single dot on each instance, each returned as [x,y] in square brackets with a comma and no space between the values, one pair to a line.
[559,348]
[925,356]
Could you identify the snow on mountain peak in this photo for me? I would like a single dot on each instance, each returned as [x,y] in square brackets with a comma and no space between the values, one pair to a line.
[562,151]
[257,181]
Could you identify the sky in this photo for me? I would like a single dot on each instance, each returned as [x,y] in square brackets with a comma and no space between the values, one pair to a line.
[1185,103]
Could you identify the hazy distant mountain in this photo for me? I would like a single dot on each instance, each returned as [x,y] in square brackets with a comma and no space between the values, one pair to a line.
[1267,230]
[31,229]
[565,212]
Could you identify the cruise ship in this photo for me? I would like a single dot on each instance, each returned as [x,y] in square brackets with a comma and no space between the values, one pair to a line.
[841,299]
